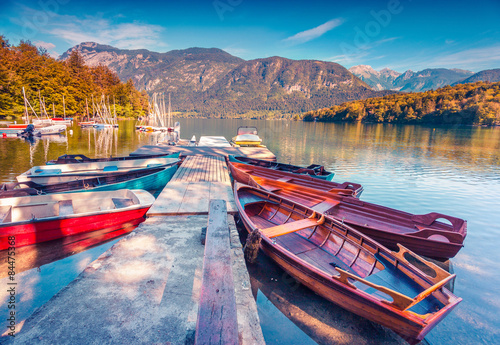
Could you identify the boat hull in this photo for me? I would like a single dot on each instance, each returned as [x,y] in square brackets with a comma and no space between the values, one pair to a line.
[422,234]
[47,230]
[307,255]
[35,219]
[243,173]
[323,175]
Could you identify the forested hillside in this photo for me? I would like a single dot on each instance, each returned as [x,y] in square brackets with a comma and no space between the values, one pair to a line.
[475,103]
[32,68]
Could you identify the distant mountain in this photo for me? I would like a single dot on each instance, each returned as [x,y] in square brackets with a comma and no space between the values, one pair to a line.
[490,75]
[378,80]
[409,81]
[213,82]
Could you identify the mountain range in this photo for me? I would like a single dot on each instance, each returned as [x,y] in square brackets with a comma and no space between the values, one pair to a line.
[409,81]
[213,82]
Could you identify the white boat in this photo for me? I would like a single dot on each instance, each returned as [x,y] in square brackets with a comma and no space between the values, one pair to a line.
[246,136]
[54,129]
[49,174]
[41,218]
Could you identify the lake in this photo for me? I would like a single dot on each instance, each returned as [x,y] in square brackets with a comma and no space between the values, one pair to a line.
[418,169]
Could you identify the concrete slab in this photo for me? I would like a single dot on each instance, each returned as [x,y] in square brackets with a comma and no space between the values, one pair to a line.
[144,290]
[214,141]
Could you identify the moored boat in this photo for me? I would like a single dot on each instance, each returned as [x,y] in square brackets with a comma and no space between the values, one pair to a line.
[50,174]
[34,219]
[151,180]
[243,173]
[69,159]
[246,136]
[423,234]
[398,290]
[313,170]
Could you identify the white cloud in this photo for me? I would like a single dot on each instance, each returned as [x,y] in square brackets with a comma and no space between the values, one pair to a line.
[313,33]
[74,30]
[470,57]
[49,47]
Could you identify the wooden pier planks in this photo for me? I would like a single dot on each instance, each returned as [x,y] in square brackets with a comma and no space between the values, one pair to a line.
[252,152]
[198,179]
[217,318]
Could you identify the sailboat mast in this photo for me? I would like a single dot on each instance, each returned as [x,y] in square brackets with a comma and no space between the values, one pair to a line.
[64,108]
[169,114]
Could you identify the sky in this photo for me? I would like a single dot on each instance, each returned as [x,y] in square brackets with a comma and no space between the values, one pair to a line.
[395,34]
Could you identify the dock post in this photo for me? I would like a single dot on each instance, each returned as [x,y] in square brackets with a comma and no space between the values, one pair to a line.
[217,321]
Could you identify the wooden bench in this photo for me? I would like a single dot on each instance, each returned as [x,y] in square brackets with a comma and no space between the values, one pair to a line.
[288,228]
[217,322]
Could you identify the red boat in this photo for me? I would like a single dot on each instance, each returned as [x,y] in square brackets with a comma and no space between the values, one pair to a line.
[17,125]
[242,172]
[398,290]
[422,234]
[33,219]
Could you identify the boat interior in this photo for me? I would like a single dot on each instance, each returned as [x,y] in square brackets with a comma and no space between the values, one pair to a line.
[342,253]
[13,210]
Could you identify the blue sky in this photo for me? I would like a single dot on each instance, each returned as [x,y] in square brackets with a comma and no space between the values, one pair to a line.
[401,35]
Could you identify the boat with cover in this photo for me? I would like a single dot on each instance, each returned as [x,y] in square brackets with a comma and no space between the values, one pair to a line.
[246,136]
[33,219]
[398,290]
[50,174]
[422,233]
[313,170]
[152,179]
[244,172]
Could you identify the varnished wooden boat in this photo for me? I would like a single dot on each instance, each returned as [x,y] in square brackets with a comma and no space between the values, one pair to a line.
[51,174]
[244,172]
[313,170]
[398,290]
[422,234]
[70,159]
[152,180]
[32,219]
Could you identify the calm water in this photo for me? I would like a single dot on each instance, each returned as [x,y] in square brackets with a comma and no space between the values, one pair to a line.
[417,169]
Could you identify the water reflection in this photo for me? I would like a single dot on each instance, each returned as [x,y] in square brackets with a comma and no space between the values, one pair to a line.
[419,169]
[44,269]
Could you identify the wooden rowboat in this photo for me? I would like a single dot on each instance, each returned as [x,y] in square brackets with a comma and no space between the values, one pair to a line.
[244,172]
[422,234]
[398,290]
[33,219]
[70,159]
[51,174]
[153,180]
[313,170]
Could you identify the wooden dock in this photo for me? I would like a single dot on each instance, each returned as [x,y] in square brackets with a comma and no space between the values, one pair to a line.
[253,152]
[198,179]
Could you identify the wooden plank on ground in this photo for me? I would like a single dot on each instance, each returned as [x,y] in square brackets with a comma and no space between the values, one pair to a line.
[170,199]
[217,320]
[196,198]
[224,191]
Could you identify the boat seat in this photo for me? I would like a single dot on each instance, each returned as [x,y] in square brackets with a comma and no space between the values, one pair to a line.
[30,211]
[122,202]
[66,207]
[324,206]
[5,214]
[287,228]
[110,168]
[284,179]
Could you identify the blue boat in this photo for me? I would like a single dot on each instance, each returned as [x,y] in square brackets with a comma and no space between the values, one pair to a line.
[151,179]
[313,170]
